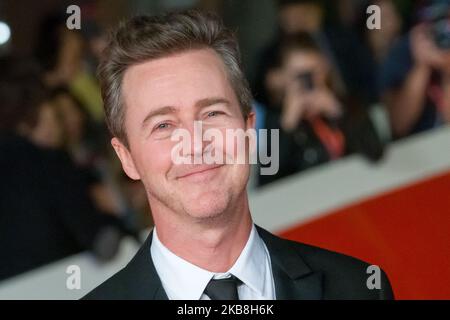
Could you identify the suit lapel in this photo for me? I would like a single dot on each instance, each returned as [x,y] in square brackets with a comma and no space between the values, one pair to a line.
[293,278]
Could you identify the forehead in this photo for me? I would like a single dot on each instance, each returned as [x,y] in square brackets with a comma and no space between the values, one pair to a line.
[178,80]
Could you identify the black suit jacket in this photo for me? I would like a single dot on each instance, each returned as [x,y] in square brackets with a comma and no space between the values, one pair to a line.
[300,271]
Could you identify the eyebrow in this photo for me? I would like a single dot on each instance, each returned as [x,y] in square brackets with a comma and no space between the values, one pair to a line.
[211,101]
[158,112]
[200,104]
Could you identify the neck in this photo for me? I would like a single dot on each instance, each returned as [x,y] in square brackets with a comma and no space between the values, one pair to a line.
[217,243]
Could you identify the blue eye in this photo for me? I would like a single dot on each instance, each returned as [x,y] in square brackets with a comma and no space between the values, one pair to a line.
[213,113]
[161,126]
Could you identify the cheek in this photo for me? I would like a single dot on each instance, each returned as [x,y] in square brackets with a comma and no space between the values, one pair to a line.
[154,159]
[235,144]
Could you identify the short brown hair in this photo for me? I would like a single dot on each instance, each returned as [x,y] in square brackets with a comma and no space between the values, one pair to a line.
[301,41]
[144,38]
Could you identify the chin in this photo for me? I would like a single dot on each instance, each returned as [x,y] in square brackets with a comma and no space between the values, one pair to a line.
[207,206]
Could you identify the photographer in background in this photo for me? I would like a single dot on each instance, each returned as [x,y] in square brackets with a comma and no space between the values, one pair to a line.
[415,78]
[337,40]
[317,121]
[309,111]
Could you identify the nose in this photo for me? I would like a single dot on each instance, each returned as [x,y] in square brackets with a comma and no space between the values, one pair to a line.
[197,145]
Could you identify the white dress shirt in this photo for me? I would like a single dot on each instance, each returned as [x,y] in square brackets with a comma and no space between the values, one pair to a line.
[185,281]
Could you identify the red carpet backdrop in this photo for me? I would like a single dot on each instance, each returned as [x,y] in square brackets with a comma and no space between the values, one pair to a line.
[406,231]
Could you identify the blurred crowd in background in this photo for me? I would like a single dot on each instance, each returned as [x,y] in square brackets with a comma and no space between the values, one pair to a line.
[331,85]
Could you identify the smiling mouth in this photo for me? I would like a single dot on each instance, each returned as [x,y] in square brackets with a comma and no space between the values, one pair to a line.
[200,171]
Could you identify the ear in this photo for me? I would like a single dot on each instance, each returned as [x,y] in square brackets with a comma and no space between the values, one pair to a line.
[250,123]
[125,158]
[251,120]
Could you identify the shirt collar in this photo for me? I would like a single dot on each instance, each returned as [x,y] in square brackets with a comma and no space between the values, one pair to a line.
[250,267]
[184,280]
[180,278]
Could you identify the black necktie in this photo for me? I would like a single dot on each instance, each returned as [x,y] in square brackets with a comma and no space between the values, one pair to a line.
[223,289]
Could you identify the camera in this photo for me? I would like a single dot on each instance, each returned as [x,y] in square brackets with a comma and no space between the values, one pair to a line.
[306,80]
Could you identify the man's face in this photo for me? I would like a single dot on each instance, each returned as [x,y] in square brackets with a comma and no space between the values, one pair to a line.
[171,93]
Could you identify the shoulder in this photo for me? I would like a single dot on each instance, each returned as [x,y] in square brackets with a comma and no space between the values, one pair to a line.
[137,281]
[343,276]
[329,261]
[113,288]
